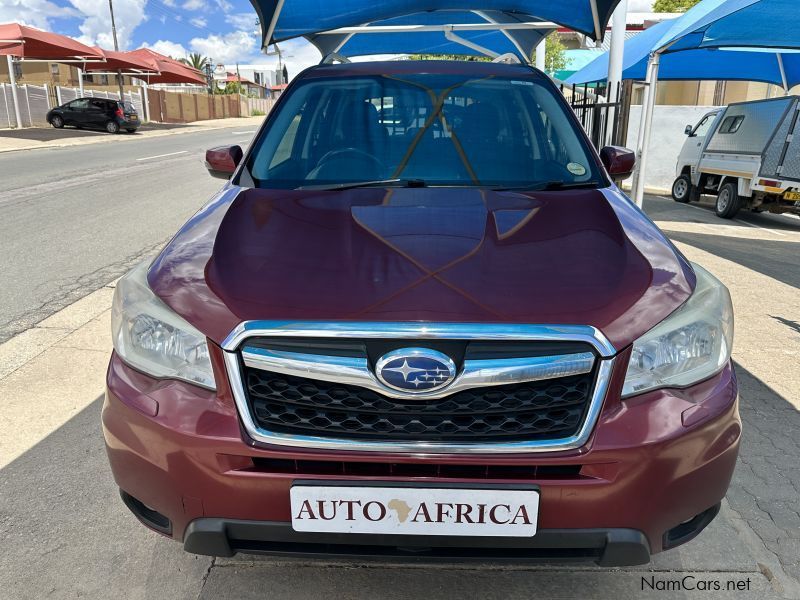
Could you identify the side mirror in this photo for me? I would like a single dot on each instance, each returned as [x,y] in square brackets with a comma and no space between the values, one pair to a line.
[222,161]
[688,130]
[618,161]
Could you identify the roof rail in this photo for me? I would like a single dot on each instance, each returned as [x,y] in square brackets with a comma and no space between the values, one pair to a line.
[332,57]
[508,58]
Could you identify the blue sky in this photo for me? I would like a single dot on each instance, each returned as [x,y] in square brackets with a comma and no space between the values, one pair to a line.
[224,30]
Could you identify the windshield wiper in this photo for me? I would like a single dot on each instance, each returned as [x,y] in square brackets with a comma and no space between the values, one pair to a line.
[411,183]
[548,186]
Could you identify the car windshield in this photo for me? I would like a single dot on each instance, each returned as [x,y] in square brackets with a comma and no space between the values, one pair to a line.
[425,129]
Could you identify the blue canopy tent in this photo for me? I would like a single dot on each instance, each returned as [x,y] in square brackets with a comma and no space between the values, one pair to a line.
[765,28]
[704,64]
[493,27]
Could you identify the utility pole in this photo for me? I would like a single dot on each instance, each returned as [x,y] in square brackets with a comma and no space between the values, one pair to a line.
[116,49]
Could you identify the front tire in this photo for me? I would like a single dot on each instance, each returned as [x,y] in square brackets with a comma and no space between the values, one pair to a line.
[112,127]
[57,122]
[683,191]
[728,201]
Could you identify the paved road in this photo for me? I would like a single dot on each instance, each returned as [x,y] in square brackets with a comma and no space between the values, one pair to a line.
[75,218]
[66,534]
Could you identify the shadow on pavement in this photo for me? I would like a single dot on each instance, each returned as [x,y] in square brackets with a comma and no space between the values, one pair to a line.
[665,209]
[50,134]
[776,259]
[66,533]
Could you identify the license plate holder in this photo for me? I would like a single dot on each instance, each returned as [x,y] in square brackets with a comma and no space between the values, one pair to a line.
[390,508]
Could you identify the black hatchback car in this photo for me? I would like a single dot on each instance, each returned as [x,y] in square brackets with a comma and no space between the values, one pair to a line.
[98,113]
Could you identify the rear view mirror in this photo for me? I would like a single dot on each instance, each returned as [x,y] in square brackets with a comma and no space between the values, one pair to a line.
[688,130]
[222,161]
[618,161]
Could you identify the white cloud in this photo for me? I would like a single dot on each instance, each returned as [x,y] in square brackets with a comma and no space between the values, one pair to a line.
[35,13]
[170,3]
[640,5]
[168,48]
[96,26]
[194,4]
[236,46]
[243,21]
[224,5]
[198,22]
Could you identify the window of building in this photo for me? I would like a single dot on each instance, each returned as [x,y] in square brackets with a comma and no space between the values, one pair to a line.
[55,71]
[17,69]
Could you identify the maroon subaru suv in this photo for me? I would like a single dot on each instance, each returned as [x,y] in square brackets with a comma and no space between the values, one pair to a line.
[421,322]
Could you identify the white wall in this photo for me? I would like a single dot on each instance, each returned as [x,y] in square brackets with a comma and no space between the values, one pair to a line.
[666,140]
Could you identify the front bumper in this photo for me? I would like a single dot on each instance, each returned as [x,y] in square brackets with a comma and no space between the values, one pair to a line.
[650,477]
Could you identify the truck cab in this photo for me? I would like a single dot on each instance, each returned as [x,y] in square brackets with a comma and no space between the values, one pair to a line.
[746,155]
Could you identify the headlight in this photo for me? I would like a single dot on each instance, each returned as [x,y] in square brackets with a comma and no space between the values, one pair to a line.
[690,345]
[150,337]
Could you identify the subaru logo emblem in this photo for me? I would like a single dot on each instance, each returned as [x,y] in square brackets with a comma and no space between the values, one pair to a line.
[415,370]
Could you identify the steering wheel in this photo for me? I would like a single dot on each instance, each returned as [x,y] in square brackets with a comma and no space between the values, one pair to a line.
[335,159]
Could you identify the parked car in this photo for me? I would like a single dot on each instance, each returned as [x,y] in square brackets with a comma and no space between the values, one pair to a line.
[95,113]
[747,155]
[405,338]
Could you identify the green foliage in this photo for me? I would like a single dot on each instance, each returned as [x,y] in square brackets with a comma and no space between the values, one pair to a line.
[673,6]
[197,60]
[555,58]
[257,113]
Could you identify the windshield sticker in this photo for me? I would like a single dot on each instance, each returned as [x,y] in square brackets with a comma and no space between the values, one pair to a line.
[576,169]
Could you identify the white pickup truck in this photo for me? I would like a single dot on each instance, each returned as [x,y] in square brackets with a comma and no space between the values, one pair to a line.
[747,154]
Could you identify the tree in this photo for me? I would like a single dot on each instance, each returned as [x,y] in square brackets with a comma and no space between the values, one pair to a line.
[673,6]
[197,61]
[555,58]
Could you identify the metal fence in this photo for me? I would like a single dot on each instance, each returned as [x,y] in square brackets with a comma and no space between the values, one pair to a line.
[66,94]
[34,102]
[605,122]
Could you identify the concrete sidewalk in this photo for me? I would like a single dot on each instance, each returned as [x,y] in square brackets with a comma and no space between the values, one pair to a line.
[66,533]
[33,138]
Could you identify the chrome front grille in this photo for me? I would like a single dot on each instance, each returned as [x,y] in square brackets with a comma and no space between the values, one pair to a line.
[538,390]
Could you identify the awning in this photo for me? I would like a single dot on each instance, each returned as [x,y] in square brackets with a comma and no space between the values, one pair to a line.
[735,23]
[169,69]
[358,27]
[26,42]
[695,65]
[127,62]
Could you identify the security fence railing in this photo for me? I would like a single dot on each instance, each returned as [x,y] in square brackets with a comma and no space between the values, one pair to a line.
[605,121]
[34,102]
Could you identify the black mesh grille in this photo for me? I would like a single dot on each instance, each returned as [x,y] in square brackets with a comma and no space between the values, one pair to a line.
[541,410]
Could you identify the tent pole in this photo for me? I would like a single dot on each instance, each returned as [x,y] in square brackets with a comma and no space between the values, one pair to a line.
[448,33]
[783,73]
[80,80]
[616,54]
[14,95]
[645,123]
[541,53]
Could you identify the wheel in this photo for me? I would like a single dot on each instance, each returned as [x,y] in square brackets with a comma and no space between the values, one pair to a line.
[112,127]
[57,121]
[683,191]
[728,201]
[131,130]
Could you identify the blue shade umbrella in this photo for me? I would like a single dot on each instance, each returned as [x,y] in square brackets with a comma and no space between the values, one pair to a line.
[702,64]
[731,26]
[499,26]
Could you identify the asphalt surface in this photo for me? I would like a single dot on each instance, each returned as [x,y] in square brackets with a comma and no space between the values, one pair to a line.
[75,218]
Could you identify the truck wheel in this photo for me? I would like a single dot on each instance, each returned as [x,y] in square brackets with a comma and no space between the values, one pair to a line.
[728,201]
[683,191]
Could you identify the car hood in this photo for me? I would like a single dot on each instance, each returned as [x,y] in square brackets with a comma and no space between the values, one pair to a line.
[585,257]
